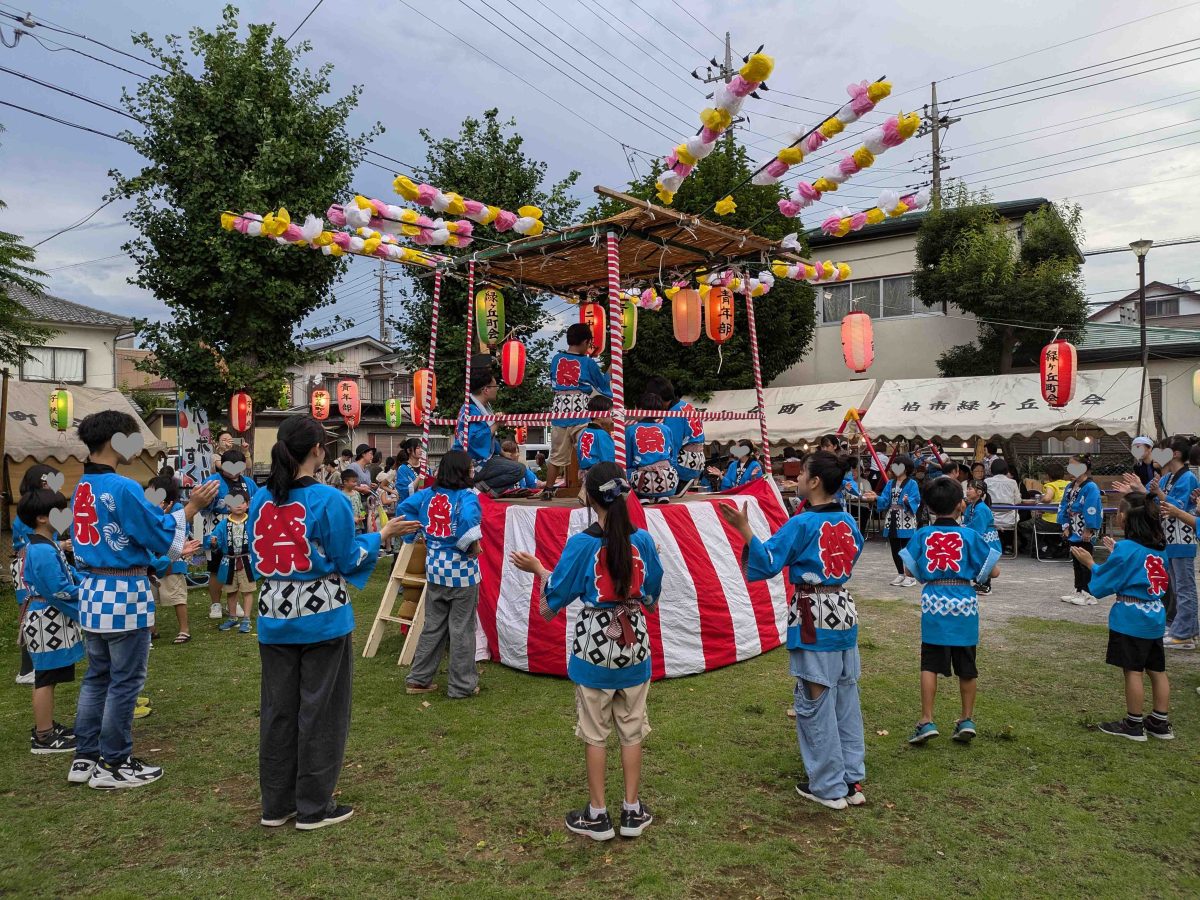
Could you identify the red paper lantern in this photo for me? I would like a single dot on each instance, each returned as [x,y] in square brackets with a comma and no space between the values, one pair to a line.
[423,381]
[1058,370]
[521,434]
[348,402]
[685,316]
[858,342]
[512,363]
[718,315]
[592,315]
[319,401]
[241,412]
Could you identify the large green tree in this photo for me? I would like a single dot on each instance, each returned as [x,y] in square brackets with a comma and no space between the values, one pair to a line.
[785,316]
[233,124]
[486,160]
[1016,284]
[17,328]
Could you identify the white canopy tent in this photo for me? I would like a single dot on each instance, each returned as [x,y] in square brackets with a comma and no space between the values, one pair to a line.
[1007,406]
[794,414]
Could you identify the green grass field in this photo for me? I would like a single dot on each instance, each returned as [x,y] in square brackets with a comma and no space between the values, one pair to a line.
[465,798]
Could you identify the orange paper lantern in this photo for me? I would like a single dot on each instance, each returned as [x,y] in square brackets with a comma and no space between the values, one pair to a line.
[718,314]
[685,316]
[241,412]
[1058,369]
[512,363]
[424,381]
[858,341]
[348,402]
[521,434]
[592,315]
[319,401]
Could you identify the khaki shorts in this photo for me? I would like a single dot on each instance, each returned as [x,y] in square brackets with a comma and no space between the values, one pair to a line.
[599,710]
[241,584]
[562,444]
[172,590]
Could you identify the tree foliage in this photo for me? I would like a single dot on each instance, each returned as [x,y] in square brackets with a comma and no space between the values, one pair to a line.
[252,130]
[1016,285]
[485,160]
[785,316]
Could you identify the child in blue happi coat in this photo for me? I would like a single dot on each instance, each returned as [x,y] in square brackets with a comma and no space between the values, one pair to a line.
[231,481]
[687,433]
[946,558]
[481,442]
[651,452]
[406,472]
[235,574]
[34,479]
[575,377]
[1080,515]
[50,617]
[819,548]
[1136,573]
[171,574]
[1175,486]
[899,504]
[451,521]
[849,486]
[977,515]
[742,469]
[613,569]
[595,444]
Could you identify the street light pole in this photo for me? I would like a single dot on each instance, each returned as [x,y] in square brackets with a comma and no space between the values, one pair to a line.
[1140,249]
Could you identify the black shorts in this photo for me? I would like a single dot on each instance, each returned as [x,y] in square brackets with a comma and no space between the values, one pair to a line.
[1135,654]
[214,561]
[47,677]
[942,659]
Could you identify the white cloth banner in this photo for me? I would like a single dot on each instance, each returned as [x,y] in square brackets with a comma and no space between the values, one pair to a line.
[794,414]
[195,441]
[1006,406]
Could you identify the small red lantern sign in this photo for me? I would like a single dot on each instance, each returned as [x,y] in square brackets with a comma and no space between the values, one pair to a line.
[1058,370]
[718,315]
[348,402]
[858,341]
[592,315]
[319,401]
[241,412]
[512,363]
[521,434]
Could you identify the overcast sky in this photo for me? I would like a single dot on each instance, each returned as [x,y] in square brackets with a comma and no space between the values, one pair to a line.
[417,75]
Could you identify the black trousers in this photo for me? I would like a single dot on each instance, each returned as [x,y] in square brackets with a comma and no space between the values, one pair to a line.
[897,544]
[26,662]
[1083,575]
[304,720]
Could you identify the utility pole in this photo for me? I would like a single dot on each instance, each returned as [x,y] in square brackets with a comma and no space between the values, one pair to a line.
[933,125]
[383,329]
[721,72]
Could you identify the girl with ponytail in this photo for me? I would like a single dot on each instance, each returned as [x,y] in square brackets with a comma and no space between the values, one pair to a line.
[613,569]
[303,546]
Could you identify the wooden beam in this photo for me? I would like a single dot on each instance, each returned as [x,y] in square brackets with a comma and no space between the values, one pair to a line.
[723,232]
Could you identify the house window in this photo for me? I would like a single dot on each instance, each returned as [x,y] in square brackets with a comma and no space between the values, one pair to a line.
[378,389]
[877,297]
[1158,307]
[58,364]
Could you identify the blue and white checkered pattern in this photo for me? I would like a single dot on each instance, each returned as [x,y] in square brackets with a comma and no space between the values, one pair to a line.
[449,567]
[112,603]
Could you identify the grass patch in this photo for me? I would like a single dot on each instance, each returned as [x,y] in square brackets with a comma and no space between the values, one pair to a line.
[466,798]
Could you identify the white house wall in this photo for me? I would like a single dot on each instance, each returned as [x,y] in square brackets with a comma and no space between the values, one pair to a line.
[1180,413]
[97,344]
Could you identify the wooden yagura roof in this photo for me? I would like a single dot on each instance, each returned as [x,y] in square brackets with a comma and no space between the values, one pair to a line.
[654,243]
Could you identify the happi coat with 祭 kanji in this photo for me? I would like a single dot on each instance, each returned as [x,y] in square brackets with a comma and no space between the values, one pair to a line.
[689,438]
[594,445]
[1138,577]
[946,558]
[597,659]
[116,533]
[1181,537]
[305,550]
[647,443]
[819,548]
[50,628]
[451,521]
[573,379]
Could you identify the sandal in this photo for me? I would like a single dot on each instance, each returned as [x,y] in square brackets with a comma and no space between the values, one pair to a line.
[183,637]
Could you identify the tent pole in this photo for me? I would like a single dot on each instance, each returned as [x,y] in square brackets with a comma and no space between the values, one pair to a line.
[428,399]
[758,385]
[616,345]
[464,431]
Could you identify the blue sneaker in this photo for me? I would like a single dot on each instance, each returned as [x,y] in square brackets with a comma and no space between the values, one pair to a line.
[244,628]
[964,731]
[227,624]
[922,733]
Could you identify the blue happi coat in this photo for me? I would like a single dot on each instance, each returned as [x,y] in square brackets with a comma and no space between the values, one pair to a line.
[232,539]
[51,623]
[736,476]
[647,443]
[848,489]
[164,565]
[451,521]
[688,435]
[978,516]
[481,441]
[942,552]
[573,379]
[1080,508]
[597,660]
[594,445]
[903,504]
[20,539]
[1181,537]
[1138,577]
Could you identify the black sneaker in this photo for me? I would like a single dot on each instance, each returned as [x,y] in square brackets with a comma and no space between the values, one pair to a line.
[130,774]
[634,822]
[1132,731]
[1163,731]
[598,828]
[332,817]
[57,740]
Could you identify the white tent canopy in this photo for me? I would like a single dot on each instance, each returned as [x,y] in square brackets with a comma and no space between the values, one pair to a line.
[794,414]
[1007,406]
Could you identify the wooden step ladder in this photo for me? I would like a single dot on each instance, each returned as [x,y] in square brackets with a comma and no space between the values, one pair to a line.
[407,585]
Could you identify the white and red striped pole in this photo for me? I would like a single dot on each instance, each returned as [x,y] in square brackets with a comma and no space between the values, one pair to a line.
[428,398]
[463,429]
[758,385]
[616,346]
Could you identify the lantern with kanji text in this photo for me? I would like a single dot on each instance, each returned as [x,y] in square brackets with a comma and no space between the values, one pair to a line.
[685,316]
[241,412]
[718,314]
[489,318]
[348,403]
[512,363]
[424,382]
[592,315]
[392,412]
[319,403]
[858,341]
[1058,370]
[62,409]
[629,319]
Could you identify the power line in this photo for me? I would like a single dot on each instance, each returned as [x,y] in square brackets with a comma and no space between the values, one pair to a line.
[42,42]
[665,27]
[47,24]
[86,262]
[34,112]
[392,159]
[691,15]
[70,93]
[76,225]
[1170,242]
[302,21]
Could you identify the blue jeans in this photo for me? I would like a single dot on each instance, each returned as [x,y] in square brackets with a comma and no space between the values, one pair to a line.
[116,674]
[1183,580]
[830,728]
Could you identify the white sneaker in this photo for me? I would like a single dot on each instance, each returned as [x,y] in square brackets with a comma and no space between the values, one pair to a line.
[1089,599]
[897,581]
[836,803]
[1079,599]
[27,678]
[81,770]
[908,582]
[1174,643]
[214,611]
[129,774]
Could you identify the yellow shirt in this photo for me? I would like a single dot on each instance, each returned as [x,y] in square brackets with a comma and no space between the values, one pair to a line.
[1055,489]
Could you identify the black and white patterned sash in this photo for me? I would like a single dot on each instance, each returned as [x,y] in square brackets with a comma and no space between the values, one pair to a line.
[281,599]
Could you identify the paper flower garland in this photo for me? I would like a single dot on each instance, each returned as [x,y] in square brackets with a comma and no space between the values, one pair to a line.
[727,103]
[890,205]
[376,215]
[647,299]
[813,273]
[863,98]
[279,226]
[892,133]
[527,220]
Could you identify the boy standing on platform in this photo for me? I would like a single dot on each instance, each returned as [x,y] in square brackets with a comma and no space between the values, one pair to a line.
[574,377]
